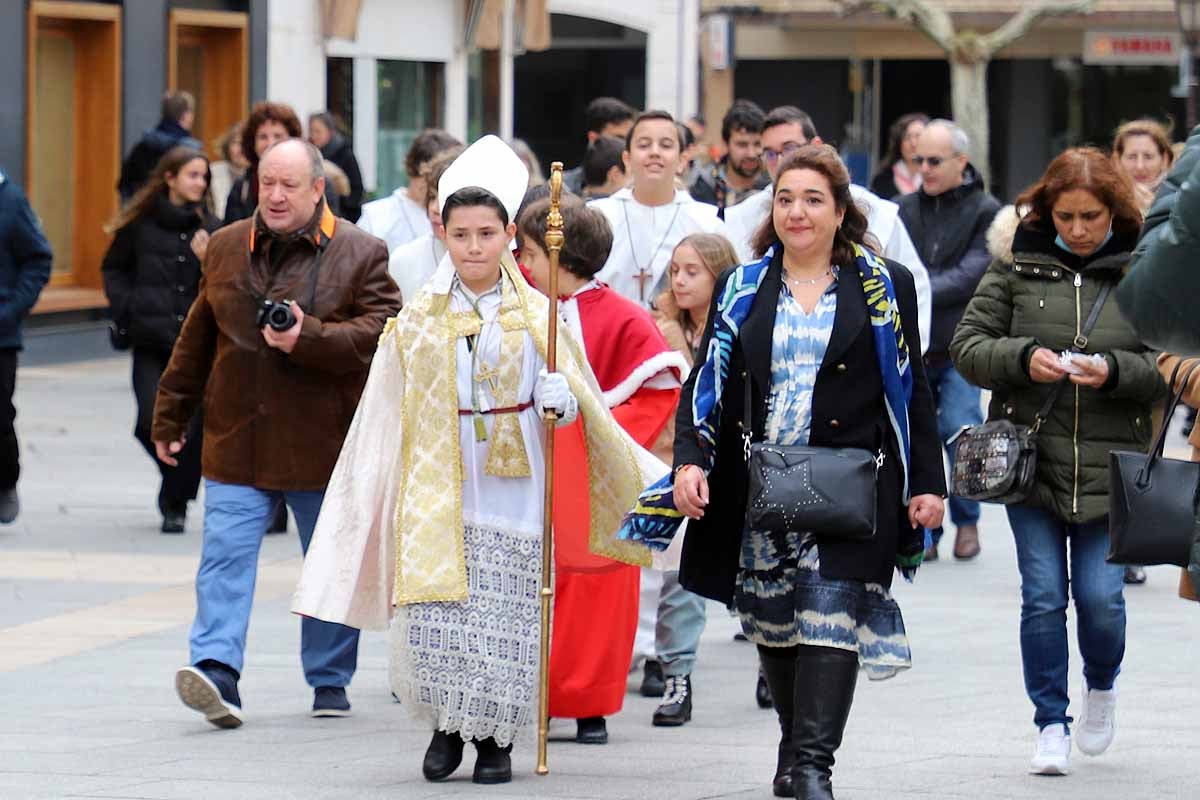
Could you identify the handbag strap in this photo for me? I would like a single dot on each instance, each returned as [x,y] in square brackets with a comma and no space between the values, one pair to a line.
[1079,343]
[1174,396]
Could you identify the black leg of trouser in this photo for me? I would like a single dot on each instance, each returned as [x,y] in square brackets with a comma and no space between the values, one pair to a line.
[824,692]
[779,667]
[10,456]
[180,483]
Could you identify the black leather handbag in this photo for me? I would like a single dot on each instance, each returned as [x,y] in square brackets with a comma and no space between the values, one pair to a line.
[996,462]
[1152,500]
[826,490]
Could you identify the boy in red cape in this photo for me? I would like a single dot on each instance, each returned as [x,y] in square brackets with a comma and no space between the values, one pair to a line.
[596,599]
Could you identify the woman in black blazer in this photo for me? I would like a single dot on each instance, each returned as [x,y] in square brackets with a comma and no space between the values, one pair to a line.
[809,350]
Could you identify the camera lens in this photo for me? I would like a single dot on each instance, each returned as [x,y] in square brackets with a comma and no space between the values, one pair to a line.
[280,317]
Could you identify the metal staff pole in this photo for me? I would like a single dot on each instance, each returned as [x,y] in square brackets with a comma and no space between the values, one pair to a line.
[554,243]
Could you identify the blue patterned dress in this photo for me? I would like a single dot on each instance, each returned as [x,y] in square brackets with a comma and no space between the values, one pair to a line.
[781,598]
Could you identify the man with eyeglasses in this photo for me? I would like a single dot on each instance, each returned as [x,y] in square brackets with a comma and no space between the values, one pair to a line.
[948,218]
[787,128]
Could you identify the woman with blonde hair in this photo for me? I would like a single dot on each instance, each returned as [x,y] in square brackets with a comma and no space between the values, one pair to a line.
[1142,150]
[682,308]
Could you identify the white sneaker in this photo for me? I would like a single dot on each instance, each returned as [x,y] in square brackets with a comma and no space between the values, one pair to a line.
[1098,722]
[1053,756]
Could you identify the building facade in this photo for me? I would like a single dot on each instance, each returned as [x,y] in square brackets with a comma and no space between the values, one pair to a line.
[82,81]
[1070,80]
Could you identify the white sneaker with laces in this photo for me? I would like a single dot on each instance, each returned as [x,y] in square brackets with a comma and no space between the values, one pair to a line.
[1053,756]
[1098,723]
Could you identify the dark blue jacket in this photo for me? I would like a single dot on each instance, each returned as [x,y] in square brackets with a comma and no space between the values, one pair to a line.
[24,261]
[144,156]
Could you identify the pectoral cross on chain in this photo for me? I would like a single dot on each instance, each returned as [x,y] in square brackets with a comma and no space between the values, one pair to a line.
[643,277]
[489,374]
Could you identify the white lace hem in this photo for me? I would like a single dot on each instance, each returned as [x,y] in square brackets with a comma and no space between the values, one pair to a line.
[472,668]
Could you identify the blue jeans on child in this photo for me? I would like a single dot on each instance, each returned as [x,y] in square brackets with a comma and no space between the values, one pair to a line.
[1047,571]
[235,520]
[958,404]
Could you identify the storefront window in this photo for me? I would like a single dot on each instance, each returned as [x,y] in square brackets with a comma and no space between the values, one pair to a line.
[1091,101]
[411,98]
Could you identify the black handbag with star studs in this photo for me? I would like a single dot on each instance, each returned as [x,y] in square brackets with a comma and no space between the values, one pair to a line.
[829,491]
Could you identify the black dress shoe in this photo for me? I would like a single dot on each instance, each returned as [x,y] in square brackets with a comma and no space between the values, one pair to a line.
[762,693]
[652,679]
[173,522]
[493,764]
[591,730]
[330,701]
[443,756]
[10,505]
[676,706]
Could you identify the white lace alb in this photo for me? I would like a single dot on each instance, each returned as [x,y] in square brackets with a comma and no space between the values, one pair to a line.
[472,668]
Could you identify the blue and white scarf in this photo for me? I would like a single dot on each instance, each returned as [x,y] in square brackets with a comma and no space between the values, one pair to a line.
[655,520]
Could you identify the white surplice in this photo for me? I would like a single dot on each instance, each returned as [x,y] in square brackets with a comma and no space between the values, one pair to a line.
[644,238]
[413,263]
[397,219]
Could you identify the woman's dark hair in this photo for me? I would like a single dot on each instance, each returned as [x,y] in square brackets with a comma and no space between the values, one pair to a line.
[171,163]
[1091,170]
[261,114]
[896,135]
[331,121]
[822,159]
[587,236]
[471,196]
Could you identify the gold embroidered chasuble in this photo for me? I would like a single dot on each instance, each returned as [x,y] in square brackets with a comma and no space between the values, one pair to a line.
[403,541]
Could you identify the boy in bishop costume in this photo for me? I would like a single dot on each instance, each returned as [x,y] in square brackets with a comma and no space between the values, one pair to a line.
[596,598]
[434,511]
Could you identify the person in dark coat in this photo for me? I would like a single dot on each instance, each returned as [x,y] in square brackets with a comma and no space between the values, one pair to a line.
[948,220]
[899,175]
[174,129]
[325,133]
[25,259]
[151,276]
[806,354]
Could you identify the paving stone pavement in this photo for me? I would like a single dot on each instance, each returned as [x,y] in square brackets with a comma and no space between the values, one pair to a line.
[95,606]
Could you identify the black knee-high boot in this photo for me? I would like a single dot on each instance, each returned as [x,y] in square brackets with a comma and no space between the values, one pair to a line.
[824,692]
[779,667]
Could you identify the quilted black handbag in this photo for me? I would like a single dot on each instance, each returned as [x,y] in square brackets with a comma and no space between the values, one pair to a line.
[1152,500]
[826,490]
[996,462]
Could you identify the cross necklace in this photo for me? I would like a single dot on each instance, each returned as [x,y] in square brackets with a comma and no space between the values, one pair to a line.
[644,274]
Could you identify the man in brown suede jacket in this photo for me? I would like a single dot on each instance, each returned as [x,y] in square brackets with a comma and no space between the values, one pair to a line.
[278,397]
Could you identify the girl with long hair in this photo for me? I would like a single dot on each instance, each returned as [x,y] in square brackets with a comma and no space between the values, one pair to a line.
[151,276]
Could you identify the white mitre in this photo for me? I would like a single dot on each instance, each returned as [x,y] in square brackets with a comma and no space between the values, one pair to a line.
[491,165]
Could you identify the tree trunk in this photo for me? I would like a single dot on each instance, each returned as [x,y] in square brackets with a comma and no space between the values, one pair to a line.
[969,104]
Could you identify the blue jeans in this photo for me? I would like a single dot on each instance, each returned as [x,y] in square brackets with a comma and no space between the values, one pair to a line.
[958,404]
[235,519]
[681,618]
[1098,590]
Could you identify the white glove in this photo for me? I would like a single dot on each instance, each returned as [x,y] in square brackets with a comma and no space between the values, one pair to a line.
[551,393]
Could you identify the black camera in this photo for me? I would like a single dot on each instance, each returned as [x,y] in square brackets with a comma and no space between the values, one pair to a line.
[278,315]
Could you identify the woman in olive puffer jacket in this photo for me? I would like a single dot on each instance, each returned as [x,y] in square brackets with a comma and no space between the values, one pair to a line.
[1079,226]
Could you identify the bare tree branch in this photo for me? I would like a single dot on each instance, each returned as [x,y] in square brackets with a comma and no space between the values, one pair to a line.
[934,22]
[1030,14]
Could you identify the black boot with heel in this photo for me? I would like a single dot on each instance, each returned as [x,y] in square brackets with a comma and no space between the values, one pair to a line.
[821,699]
[778,666]
[493,763]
